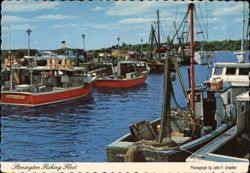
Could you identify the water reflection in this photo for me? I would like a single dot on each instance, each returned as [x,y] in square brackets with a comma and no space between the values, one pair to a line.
[68,107]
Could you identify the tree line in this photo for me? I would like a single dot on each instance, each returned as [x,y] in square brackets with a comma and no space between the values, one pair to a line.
[224,45]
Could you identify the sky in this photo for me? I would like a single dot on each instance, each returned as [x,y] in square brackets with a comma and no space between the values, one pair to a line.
[102,22]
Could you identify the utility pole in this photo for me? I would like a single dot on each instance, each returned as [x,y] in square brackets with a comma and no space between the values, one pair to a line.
[83,38]
[141,48]
[118,39]
[28,32]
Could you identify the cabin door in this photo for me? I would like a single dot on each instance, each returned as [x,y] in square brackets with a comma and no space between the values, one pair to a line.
[209,107]
[242,115]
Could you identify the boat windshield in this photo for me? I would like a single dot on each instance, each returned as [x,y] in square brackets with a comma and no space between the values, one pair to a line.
[230,71]
[243,71]
[218,71]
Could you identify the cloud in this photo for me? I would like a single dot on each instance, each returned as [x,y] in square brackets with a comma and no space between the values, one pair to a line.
[73,25]
[126,8]
[143,34]
[23,27]
[219,27]
[227,10]
[106,26]
[8,19]
[238,20]
[135,20]
[98,8]
[23,6]
[14,19]
[56,17]
[213,19]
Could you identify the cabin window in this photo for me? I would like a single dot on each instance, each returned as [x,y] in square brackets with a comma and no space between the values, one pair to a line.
[218,71]
[244,71]
[242,107]
[197,98]
[230,71]
[229,98]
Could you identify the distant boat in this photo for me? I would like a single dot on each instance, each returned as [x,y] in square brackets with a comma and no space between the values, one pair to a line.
[41,85]
[201,57]
[235,73]
[241,55]
[127,74]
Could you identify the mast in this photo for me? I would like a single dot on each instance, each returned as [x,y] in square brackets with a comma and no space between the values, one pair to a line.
[165,114]
[11,84]
[242,49]
[158,28]
[191,30]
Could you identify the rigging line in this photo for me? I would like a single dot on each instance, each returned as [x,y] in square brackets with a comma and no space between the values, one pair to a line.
[173,26]
[184,27]
[176,12]
[180,26]
[175,100]
[163,34]
[198,23]
[206,20]
[203,21]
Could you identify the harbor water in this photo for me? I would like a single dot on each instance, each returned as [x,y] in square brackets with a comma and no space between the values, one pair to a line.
[79,130]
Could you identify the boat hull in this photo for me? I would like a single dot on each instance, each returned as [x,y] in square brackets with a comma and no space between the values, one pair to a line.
[120,83]
[116,151]
[44,98]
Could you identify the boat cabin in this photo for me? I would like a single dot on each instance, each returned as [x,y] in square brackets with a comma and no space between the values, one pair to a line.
[211,103]
[131,69]
[43,79]
[220,149]
[201,57]
[235,73]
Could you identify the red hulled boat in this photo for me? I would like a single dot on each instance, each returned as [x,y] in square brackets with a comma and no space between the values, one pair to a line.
[36,86]
[127,74]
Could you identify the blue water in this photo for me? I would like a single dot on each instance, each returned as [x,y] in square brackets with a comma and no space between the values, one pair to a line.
[80,130]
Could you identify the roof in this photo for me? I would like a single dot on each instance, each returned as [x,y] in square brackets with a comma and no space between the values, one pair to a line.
[42,68]
[232,64]
[131,62]
[244,96]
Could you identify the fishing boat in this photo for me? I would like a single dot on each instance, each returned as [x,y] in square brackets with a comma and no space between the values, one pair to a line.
[179,132]
[43,85]
[237,137]
[201,57]
[219,150]
[235,73]
[126,75]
